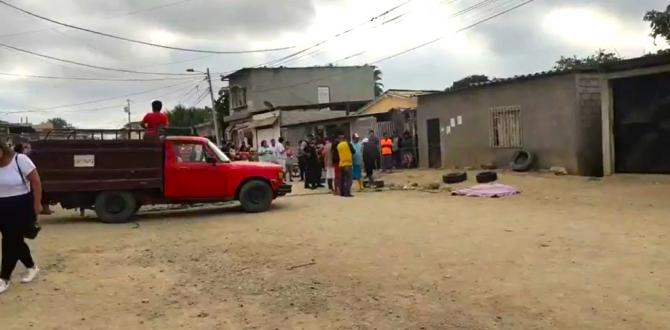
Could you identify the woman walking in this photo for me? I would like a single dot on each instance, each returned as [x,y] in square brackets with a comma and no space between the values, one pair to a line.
[20,202]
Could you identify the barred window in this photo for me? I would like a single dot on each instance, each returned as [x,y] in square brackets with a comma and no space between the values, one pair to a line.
[506,127]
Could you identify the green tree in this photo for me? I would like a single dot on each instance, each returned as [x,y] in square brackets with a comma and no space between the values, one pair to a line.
[469,80]
[660,23]
[181,116]
[379,86]
[59,123]
[602,56]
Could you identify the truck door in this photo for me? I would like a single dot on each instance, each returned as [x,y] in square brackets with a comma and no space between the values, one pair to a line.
[189,175]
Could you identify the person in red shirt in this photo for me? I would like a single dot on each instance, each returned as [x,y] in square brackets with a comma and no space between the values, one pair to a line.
[155,120]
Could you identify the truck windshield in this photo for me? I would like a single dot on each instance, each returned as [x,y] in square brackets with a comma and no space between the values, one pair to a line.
[219,154]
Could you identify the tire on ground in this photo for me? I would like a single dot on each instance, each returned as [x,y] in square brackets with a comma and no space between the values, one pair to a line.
[115,206]
[522,161]
[456,177]
[256,196]
[486,177]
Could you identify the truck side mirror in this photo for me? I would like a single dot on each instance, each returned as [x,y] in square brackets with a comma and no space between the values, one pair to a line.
[211,160]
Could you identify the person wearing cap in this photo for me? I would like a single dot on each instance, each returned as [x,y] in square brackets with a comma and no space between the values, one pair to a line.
[357,161]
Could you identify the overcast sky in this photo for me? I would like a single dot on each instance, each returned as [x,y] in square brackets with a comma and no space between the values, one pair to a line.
[528,39]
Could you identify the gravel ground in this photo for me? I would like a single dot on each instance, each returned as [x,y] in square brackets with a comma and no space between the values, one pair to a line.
[568,253]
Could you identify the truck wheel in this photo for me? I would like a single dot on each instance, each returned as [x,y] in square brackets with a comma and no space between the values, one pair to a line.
[255,196]
[115,206]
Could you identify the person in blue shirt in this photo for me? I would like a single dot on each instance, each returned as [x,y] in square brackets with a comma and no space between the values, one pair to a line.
[357,161]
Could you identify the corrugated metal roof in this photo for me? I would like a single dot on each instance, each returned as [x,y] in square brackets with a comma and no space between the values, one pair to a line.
[397,93]
[264,122]
[296,117]
[295,68]
[624,65]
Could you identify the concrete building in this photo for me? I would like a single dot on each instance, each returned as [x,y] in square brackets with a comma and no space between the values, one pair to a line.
[258,94]
[614,118]
[554,115]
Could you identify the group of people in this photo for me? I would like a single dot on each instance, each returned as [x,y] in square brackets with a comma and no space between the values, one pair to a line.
[343,161]
[277,152]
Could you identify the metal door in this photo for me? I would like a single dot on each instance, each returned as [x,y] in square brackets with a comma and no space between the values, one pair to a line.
[434,143]
[642,124]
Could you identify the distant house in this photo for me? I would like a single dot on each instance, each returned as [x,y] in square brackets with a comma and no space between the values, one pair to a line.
[394,112]
[260,97]
[591,121]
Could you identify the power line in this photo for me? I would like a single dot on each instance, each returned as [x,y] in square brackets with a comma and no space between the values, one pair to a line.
[190,93]
[481,21]
[460,30]
[140,41]
[201,97]
[483,3]
[87,79]
[93,101]
[166,5]
[335,36]
[90,65]
[116,106]
[130,13]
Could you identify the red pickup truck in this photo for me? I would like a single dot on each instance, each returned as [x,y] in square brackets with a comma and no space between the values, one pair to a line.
[116,177]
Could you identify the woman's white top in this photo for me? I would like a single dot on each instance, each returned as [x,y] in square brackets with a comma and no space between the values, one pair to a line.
[10,180]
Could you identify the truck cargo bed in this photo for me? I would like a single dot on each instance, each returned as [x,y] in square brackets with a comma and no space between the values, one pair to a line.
[98,165]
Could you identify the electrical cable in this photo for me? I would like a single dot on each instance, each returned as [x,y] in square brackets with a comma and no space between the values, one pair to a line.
[90,65]
[92,101]
[130,13]
[335,36]
[481,21]
[88,79]
[143,42]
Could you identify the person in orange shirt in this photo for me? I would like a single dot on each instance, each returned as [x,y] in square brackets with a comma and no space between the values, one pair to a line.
[154,120]
[387,153]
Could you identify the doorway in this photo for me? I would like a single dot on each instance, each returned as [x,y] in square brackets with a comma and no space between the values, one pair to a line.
[434,143]
[642,124]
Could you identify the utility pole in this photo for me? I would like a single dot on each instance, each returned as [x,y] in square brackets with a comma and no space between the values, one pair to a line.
[127,110]
[215,120]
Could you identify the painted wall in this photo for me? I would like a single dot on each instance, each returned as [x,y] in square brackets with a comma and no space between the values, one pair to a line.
[550,117]
[297,86]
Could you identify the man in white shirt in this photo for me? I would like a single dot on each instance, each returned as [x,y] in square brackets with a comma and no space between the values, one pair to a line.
[280,153]
[273,151]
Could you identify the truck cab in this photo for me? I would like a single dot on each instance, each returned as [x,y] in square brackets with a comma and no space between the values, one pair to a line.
[195,169]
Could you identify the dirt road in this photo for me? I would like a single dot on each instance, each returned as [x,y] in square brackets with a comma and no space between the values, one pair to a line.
[569,253]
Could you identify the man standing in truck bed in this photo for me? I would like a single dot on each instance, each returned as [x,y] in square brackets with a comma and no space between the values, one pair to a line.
[154,120]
